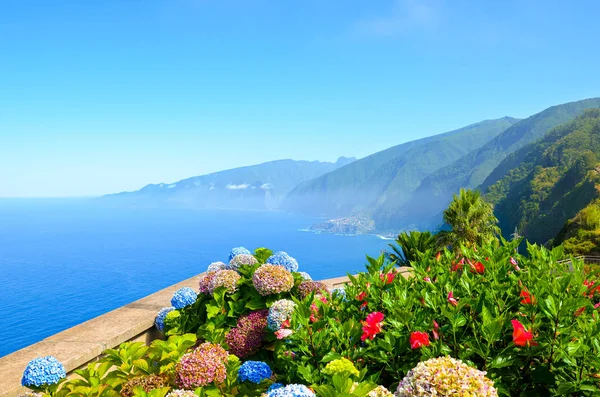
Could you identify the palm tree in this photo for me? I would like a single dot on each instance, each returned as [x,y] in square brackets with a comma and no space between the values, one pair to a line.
[471,220]
[410,246]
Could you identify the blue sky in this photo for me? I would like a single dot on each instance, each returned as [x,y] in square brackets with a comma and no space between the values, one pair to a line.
[105,96]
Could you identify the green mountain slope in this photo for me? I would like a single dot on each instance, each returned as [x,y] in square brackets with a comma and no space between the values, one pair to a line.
[556,177]
[389,175]
[259,186]
[473,169]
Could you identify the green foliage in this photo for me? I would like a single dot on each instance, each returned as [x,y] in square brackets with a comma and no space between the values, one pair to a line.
[471,220]
[411,246]
[165,354]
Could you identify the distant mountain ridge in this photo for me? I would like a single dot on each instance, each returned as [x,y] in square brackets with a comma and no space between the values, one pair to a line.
[390,175]
[260,186]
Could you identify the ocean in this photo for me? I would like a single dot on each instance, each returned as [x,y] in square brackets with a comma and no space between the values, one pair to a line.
[66,261]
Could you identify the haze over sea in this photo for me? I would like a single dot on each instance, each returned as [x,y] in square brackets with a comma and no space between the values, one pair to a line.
[66,261]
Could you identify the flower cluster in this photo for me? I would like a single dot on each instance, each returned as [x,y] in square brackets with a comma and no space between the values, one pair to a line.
[283,259]
[242,260]
[341,366]
[275,386]
[254,371]
[305,276]
[159,321]
[272,279]
[148,383]
[372,325]
[205,281]
[43,371]
[340,291]
[238,251]
[216,266]
[183,297]
[246,337]
[291,391]
[307,287]
[279,312]
[204,365]
[380,391]
[224,278]
[181,393]
[522,337]
[419,339]
[445,376]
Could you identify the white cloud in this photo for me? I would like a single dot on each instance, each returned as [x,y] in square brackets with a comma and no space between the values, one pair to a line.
[406,15]
[266,186]
[237,187]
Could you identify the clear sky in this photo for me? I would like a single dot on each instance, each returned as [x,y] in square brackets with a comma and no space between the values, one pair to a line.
[109,95]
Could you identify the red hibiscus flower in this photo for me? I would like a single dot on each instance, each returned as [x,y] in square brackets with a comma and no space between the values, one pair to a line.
[477,267]
[419,339]
[528,299]
[364,304]
[579,311]
[521,337]
[387,278]
[451,299]
[361,296]
[427,279]
[372,325]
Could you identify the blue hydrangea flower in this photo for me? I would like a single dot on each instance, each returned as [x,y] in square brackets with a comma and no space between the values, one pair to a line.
[215,266]
[43,371]
[238,251]
[254,371]
[339,292]
[306,276]
[184,297]
[275,386]
[292,391]
[282,258]
[159,321]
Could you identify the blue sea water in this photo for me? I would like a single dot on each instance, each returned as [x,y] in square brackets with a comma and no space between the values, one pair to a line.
[63,262]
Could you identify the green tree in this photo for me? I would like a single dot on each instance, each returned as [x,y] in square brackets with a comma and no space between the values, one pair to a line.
[471,220]
[411,246]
